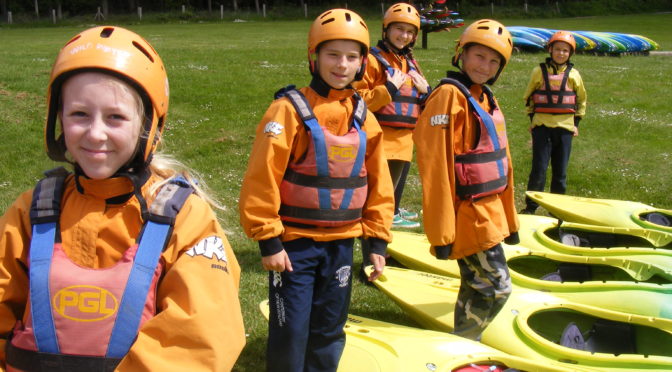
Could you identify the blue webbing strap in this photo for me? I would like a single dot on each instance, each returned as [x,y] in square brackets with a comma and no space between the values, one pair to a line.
[485,117]
[376,53]
[44,213]
[321,160]
[302,107]
[360,110]
[154,238]
[41,251]
[133,300]
[492,131]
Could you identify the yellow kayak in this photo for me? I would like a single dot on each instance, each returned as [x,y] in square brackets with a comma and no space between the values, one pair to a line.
[375,346]
[637,284]
[544,233]
[606,212]
[541,327]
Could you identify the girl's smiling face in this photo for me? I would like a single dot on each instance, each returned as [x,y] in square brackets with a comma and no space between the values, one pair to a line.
[400,34]
[101,118]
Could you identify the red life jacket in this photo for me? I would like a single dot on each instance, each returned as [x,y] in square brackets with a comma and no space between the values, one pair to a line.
[85,319]
[483,170]
[554,97]
[403,110]
[328,186]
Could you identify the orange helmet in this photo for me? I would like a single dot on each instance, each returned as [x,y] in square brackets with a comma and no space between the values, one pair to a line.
[337,24]
[489,33]
[402,12]
[122,54]
[565,36]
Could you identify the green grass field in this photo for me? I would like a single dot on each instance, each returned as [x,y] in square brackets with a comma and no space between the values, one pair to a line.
[223,76]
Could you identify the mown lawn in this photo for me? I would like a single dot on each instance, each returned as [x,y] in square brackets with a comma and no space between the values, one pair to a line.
[223,76]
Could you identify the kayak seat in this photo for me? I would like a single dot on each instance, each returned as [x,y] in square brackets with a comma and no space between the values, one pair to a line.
[591,239]
[572,337]
[570,272]
[657,218]
[605,336]
[611,337]
[573,240]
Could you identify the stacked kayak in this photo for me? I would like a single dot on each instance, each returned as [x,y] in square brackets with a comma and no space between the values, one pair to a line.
[606,212]
[536,39]
[591,240]
[541,327]
[633,283]
[375,346]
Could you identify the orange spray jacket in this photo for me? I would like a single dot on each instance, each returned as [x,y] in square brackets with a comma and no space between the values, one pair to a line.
[445,129]
[198,325]
[377,93]
[281,137]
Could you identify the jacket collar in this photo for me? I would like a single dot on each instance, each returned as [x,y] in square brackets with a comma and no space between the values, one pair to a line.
[326,91]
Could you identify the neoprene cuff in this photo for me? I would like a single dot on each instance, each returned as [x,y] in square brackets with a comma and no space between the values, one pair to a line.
[443,251]
[512,239]
[270,246]
[577,119]
[378,246]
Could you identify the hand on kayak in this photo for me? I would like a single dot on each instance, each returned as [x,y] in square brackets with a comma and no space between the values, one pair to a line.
[378,262]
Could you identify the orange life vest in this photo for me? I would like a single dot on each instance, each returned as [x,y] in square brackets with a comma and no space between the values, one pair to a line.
[483,170]
[554,97]
[403,110]
[328,186]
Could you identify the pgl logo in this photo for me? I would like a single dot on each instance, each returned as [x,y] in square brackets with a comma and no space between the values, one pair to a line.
[85,303]
[342,153]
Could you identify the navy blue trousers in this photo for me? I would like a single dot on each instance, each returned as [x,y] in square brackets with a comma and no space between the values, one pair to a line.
[554,144]
[399,171]
[309,307]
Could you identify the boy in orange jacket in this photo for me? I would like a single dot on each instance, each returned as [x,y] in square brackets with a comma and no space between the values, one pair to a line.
[316,180]
[467,176]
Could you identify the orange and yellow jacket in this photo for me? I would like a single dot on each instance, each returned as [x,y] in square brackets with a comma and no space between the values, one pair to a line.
[198,325]
[377,93]
[445,129]
[281,137]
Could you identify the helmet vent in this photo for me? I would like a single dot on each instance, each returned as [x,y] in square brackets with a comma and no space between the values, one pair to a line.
[73,39]
[348,17]
[143,51]
[328,21]
[499,31]
[325,14]
[106,32]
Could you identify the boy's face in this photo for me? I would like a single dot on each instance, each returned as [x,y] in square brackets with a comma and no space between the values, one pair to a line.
[401,34]
[480,63]
[101,122]
[338,62]
[560,52]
